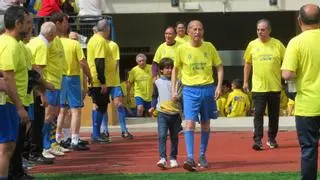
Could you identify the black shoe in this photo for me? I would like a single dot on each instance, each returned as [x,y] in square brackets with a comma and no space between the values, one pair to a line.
[257,146]
[79,147]
[83,142]
[66,144]
[126,135]
[100,140]
[40,159]
[272,144]
[189,165]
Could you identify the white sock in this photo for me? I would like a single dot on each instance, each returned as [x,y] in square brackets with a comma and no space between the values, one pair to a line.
[66,133]
[58,137]
[75,139]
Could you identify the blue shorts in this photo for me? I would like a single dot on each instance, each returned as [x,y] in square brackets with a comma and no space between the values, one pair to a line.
[145,104]
[115,92]
[53,97]
[199,100]
[71,92]
[9,123]
[31,111]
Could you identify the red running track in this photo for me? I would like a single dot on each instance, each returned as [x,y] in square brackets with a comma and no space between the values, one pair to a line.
[227,152]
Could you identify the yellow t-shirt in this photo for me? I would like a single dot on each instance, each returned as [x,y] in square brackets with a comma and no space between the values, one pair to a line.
[302,57]
[283,102]
[290,107]
[73,54]
[142,79]
[237,104]
[132,100]
[11,59]
[39,50]
[195,63]
[183,39]
[221,102]
[97,48]
[112,73]
[28,99]
[165,51]
[266,59]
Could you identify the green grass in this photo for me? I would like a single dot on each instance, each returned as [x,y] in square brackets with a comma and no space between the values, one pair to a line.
[176,176]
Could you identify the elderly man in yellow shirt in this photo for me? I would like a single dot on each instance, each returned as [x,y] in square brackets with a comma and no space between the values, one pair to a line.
[301,65]
[264,56]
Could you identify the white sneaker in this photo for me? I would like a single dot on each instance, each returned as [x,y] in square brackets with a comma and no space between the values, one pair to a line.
[162,163]
[62,149]
[55,151]
[46,153]
[174,163]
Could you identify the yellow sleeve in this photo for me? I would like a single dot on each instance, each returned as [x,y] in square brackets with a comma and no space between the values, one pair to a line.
[40,56]
[131,76]
[216,61]
[116,52]
[79,52]
[282,50]
[157,56]
[290,60]
[247,54]
[8,62]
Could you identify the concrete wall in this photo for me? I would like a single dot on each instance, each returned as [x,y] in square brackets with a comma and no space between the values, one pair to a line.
[164,6]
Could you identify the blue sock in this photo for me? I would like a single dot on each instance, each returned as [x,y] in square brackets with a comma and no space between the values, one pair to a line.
[46,135]
[3,178]
[105,123]
[95,131]
[122,118]
[204,142]
[189,140]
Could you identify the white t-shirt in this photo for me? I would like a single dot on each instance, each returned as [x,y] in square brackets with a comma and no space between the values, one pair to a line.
[89,7]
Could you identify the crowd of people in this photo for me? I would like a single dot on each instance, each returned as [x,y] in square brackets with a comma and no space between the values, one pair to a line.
[44,80]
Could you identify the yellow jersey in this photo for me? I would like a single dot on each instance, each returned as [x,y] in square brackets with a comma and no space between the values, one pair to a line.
[302,57]
[166,51]
[183,39]
[97,48]
[28,99]
[142,80]
[283,102]
[266,59]
[221,103]
[73,55]
[112,73]
[195,63]
[237,104]
[290,107]
[11,59]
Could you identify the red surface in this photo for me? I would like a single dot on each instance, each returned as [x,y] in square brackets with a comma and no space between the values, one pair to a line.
[227,152]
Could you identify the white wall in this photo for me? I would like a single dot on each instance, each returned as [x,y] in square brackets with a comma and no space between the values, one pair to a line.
[164,6]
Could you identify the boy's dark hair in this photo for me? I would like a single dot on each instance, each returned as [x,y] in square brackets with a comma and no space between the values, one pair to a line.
[237,83]
[226,83]
[165,62]
[181,22]
[57,17]
[13,14]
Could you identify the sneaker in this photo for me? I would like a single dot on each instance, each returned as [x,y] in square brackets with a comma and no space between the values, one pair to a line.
[257,146]
[203,163]
[83,142]
[105,135]
[99,140]
[79,147]
[40,159]
[26,164]
[56,151]
[162,163]
[189,165]
[126,135]
[272,144]
[60,148]
[66,144]
[173,163]
[47,154]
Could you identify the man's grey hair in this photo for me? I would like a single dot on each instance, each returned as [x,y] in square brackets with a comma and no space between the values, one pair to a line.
[141,55]
[47,28]
[102,25]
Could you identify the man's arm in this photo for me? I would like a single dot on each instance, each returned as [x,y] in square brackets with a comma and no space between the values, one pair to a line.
[86,70]
[174,90]
[100,66]
[218,92]
[286,74]
[246,73]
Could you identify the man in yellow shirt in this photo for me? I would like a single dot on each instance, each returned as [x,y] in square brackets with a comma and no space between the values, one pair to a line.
[141,78]
[301,64]
[165,50]
[238,103]
[14,70]
[196,60]
[71,93]
[264,55]
[182,36]
[98,55]
[114,90]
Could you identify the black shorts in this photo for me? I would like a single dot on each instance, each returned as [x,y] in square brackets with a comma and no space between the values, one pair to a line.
[101,100]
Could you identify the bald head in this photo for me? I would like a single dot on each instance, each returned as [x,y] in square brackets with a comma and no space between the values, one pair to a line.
[74,36]
[309,14]
[194,23]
